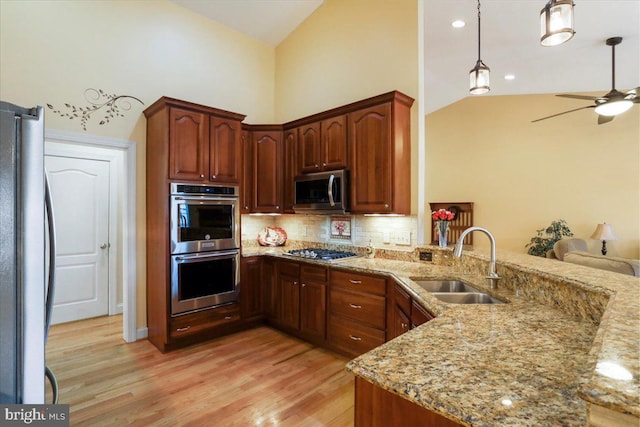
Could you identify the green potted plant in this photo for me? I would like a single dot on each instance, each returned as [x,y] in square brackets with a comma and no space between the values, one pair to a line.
[545,238]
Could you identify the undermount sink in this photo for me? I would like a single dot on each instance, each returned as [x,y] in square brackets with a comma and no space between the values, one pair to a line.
[467,298]
[445,286]
[456,292]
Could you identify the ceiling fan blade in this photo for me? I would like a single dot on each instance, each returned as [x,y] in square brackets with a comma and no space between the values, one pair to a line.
[604,119]
[588,98]
[635,95]
[564,112]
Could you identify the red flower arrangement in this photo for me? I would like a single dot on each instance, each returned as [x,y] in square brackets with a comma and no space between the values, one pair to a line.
[442,215]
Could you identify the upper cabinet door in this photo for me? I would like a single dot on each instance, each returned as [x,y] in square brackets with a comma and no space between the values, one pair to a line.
[188,144]
[267,170]
[225,151]
[334,143]
[309,147]
[371,154]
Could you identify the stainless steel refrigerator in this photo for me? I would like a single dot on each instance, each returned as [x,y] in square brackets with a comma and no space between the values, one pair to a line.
[27,247]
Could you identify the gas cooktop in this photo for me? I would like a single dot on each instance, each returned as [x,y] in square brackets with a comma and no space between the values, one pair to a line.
[321,254]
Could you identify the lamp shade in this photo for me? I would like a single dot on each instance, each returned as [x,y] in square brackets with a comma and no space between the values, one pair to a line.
[556,22]
[615,107]
[604,232]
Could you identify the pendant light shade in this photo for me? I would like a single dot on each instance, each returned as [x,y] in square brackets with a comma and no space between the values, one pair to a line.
[556,22]
[479,79]
[479,74]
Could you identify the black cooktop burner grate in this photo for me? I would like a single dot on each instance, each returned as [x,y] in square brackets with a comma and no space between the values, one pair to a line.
[322,254]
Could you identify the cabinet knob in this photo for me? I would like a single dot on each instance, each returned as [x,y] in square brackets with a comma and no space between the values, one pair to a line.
[201,175]
[386,205]
[304,285]
[295,283]
[213,177]
[246,207]
[404,326]
[317,166]
[278,207]
[324,164]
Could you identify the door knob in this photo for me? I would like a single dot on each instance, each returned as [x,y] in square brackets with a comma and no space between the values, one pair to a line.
[104,246]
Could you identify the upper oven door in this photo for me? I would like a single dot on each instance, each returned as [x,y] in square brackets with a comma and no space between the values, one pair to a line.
[206,223]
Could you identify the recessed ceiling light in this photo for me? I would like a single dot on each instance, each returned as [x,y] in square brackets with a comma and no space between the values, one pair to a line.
[509,77]
[459,23]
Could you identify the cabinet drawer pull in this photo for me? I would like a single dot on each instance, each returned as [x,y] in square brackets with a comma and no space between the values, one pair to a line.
[355,338]
[354,305]
[355,282]
[186,328]
[227,317]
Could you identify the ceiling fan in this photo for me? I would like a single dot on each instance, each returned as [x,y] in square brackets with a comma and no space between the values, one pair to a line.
[613,103]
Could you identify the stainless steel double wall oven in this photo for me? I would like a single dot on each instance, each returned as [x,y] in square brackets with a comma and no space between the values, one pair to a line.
[205,246]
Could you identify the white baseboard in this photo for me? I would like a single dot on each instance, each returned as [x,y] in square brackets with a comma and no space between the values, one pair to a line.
[141,333]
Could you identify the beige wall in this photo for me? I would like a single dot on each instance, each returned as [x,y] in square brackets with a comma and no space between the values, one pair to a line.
[523,175]
[349,50]
[51,51]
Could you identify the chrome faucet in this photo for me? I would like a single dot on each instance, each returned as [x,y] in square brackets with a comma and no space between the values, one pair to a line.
[457,252]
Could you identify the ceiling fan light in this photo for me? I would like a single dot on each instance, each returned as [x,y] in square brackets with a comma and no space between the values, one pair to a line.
[556,22]
[613,108]
[479,79]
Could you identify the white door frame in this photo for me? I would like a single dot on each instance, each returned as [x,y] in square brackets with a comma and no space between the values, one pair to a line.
[127,149]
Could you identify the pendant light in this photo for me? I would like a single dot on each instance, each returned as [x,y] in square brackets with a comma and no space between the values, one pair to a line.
[479,75]
[556,22]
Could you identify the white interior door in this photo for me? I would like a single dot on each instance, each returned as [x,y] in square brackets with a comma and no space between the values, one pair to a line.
[80,196]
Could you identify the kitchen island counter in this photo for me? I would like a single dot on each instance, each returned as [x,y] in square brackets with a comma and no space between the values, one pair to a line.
[539,359]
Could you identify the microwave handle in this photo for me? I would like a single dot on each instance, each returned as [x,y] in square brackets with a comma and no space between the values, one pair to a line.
[330,191]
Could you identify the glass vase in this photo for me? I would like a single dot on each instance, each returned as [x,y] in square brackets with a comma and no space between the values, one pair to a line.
[443,228]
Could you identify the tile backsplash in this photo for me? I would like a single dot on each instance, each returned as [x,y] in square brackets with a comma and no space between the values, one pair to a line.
[389,232]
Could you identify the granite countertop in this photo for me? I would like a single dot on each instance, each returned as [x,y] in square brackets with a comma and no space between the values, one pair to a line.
[532,361]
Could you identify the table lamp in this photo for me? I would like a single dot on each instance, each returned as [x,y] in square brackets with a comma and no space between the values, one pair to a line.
[604,232]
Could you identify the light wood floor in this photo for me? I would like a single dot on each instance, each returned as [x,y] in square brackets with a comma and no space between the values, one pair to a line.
[259,377]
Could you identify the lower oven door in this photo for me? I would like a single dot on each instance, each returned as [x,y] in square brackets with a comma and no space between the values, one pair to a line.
[200,281]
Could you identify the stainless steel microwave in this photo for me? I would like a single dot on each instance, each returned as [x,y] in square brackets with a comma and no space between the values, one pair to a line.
[322,192]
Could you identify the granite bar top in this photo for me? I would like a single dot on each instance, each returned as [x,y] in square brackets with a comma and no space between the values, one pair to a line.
[567,335]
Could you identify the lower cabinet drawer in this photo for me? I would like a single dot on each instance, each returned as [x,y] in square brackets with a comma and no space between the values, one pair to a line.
[364,308]
[199,321]
[352,337]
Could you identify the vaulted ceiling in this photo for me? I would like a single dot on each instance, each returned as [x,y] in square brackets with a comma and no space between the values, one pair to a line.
[510,43]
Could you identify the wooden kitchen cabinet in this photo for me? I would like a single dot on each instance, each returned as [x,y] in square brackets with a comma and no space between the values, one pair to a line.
[323,145]
[356,312]
[300,300]
[186,142]
[405,313]
[204,147]
[225,151]
[309,147]
[251,288]
[313,302]
[376,407]
[380,156]
[267,155]
[288,295]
